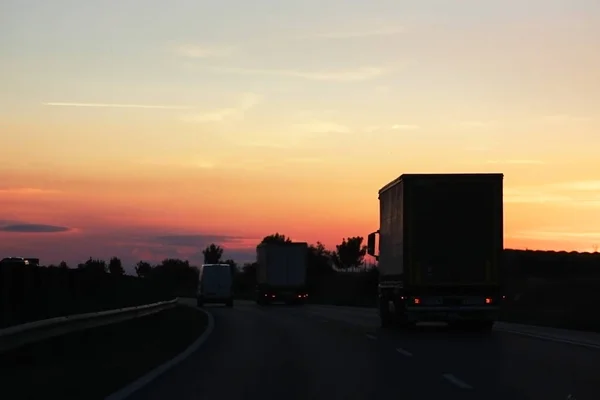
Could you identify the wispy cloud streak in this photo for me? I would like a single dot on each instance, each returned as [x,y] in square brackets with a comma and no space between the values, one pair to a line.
[358,74]
[388,31]
[117,105]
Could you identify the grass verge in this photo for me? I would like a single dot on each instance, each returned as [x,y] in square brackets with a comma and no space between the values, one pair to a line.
[94,363]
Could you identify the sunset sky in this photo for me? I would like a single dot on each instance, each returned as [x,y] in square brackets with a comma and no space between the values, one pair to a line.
[146,129]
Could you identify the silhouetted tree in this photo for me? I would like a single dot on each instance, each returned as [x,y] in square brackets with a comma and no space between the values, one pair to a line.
[143,269]
[245,280]
[115,267]
[319,267]
[63,264]
[319,258]
[350,253]
[177,276]
[276,238]
[212,254]
[234,266]
[94,266]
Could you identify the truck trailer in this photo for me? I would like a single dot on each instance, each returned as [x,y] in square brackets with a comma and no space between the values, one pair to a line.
[281,272]
[440,249]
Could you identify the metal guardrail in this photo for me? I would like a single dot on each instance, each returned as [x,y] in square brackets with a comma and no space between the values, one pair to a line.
[19,335]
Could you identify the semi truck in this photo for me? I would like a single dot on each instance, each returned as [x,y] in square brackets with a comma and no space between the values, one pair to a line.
[281,272]
[440,246]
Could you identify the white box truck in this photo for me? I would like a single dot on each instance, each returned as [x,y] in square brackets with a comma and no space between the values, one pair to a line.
[281,272]
[215,285]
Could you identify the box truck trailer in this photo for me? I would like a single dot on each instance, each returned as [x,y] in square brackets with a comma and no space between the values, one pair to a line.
[440,245]
[281,272]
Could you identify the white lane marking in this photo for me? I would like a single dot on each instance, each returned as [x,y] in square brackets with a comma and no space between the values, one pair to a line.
[371,336]
[404,352]
[161,369]
[550,338]
[451,378]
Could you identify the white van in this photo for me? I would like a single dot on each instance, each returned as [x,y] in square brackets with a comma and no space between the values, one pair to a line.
[215,285]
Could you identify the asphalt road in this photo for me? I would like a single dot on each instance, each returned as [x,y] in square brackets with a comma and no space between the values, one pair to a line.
[314,352]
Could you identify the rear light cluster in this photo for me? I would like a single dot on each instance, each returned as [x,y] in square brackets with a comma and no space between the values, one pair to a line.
[300,296]
[488,300]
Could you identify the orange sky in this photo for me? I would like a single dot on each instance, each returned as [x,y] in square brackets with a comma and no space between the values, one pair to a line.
[201,129]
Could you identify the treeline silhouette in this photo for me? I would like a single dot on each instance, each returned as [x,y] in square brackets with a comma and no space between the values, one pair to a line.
[543,287]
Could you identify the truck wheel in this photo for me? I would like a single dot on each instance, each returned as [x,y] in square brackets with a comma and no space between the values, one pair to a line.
[406,325]
[385,316]
[483,326]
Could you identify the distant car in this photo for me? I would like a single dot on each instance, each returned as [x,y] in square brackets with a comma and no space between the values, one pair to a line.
[14,261]
[215,285]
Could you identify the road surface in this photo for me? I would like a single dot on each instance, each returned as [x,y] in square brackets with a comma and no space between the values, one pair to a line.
[316,352]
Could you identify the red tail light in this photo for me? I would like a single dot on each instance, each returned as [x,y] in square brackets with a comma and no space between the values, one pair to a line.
[416,300]
[488,300]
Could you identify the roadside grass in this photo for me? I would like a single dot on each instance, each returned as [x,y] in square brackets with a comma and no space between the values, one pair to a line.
[94,363]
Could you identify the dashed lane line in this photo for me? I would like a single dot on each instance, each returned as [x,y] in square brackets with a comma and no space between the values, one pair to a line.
[404,352]
[457,382]
[369,336]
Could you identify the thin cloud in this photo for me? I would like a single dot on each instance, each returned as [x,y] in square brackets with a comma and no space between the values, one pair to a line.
[555,235]
[476,124]
[322,127]
[563,118]
[592,185]
[203,164]
[265,144]
[388,31]
[350,75]
[33,228]
[383,89]
[245,103]
[581,194]
[199,51]
[212,116]
[516,162]
[305,160]
[395,127]
[405,127]
[529,197]
[197,240]
[28,191]
[117,105]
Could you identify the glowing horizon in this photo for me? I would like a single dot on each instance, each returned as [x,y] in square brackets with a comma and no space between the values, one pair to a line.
[176,122]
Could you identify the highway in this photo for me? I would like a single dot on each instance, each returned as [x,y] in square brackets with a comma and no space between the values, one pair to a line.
[320,352]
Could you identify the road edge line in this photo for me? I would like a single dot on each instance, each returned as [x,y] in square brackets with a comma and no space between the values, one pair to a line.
[552,339]
[139,383]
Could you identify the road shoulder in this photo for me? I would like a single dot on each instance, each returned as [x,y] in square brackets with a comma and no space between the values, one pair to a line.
[94,363]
